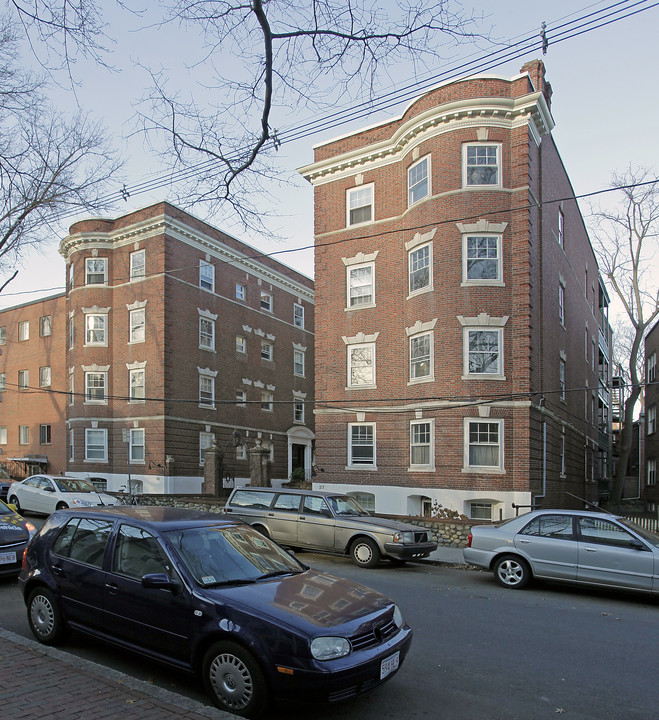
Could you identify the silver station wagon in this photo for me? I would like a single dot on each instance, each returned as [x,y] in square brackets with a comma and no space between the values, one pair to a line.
[329,522]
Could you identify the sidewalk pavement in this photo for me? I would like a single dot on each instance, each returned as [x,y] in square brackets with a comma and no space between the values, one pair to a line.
[44,683]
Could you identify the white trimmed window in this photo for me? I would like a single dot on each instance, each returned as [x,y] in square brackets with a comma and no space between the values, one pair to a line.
[241,452]
[95,387]
[298,315]
[137,264]
[267,401]
[561,303]
[45,325]
[561,451]
[361,445]
[421,357]
[96,271]
[359,205]
[206,440]
[3,381]
[420,268]
[361,285]
[23,330]
[418,180]
[421,444]
[96,329]
[481,165]
[71,445]
[267,350]
[241,344]
[483,444]
[652,367]
[298,362]
[241,398]
[266,301]
[298,411]
[3,434]
[96,445]
[561,377]
[44,376]
[23,379]
[137,454]
[137,382]
[480,510]
[482,263]
[241,291]
[206,333]
[206,390]
[484,352]
[3,335]
[137,325]
[72,333]
[361,365]
[561,233]
[23,434]
[206,276]
[652,419]
[72,395]
[652,471]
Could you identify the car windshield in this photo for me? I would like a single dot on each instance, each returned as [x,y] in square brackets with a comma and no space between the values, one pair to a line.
[345,505]
[68,484]
[231,555]
[651,537]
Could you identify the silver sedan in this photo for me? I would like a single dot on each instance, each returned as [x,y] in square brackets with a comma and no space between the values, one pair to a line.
[47,493]
[593,548]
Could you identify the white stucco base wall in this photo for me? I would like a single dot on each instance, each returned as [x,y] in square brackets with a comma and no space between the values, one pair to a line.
[394,500]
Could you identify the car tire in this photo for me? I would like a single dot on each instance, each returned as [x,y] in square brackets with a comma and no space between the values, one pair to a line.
[13,500]
[234,680]
[61,506]
[511,571]
[365,552]
[45,618]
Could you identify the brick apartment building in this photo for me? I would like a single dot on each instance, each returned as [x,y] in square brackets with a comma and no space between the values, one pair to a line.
[462,339]
[171,335]
[651,444]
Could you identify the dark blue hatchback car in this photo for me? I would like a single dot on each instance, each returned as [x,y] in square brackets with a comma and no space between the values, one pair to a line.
[212,596]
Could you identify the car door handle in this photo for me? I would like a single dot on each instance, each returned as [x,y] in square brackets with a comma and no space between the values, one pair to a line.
[301,517]
[591,549]
[57,570]
[524,541]
[112,588]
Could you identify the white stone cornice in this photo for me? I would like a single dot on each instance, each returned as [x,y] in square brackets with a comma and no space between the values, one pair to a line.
[96,310]
[137,305]
[482,226]
[95,368]
[420,239]
[360,258]
[360,338]
[207,372]
[207,314]
[482,320]
[136,365]
[420,327]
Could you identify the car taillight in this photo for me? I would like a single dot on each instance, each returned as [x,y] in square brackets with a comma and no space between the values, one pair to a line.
[470,537]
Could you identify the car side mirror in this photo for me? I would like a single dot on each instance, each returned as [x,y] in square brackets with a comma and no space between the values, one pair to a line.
[636,544]
[158,581]
[49,488]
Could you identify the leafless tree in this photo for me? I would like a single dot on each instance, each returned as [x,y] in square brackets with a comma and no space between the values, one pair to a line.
[259,64]
[50,164]
[626,240]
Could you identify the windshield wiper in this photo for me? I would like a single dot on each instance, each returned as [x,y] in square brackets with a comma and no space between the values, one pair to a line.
[277,573]
[227,583]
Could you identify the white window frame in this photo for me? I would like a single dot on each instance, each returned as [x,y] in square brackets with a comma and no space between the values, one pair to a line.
[267,350]
[45,325]
[266,301]
[241,398]
[652,367]
[498,260]
[206,334]
[92,333]
[241,344]
[561,451]
[652,419]
[45,377]
[133,385]
[652,471]
[299,362]
[368,193]
[298,315]
[562,377]
[414,272]
[414,378]
[104,387]
[137,326]
[103,455]
[137,443]
[358,347]
[561,236]
[413,185]
[3,382]
[416,444]
[298,410]
[206,276]
[206,440]
[498,331]
[352,463]
[3,434]
[137,264]
[267,401]
[496,468]
[561,303]
[206,390]
[465,166]
[23,434]
[353,303]
[23,379]
[23,330]
[101,271]
[71,445]
[241,291]
[3,335]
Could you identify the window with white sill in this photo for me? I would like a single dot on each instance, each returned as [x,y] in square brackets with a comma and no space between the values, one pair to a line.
[137,325]
[361,365]
[421,444]
[137,264]
[96,444]
[361,445]
[206,333]
[482,264]
[206,276]
[481,165]
[359,205]
[96,329]
[421,356]
[360,285]
[483,444]
[418,180]
[96,271]
[420,268]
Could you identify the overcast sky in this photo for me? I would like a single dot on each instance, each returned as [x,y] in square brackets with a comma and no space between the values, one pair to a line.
[605,106]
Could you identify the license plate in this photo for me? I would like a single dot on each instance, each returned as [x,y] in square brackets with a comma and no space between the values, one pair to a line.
[389,665]
[7,557]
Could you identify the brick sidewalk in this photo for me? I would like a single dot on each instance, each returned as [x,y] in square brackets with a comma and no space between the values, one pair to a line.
[44,683]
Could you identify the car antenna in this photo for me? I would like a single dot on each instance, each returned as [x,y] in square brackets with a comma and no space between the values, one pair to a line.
[589,504]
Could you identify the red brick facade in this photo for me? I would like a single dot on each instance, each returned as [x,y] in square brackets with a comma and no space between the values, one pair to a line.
[152,351]
[411,428]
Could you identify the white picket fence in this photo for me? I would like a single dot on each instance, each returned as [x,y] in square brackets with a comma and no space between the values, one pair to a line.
[646,523]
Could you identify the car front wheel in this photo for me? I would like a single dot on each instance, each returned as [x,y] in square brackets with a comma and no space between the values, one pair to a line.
[13,500]
[234,680]
[365,552]
[512,572]
[45,618]
[61,506]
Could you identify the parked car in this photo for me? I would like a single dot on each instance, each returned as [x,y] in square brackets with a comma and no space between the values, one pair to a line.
[209,594]
[15,533]
[330,522]
[594,548]
[5,482]
[47,493]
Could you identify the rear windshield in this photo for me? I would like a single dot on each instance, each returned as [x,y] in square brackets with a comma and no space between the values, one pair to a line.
[257,499]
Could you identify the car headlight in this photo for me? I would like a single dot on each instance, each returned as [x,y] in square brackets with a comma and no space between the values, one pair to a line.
[398,616]
[82,503]
[328,648]
[404,537]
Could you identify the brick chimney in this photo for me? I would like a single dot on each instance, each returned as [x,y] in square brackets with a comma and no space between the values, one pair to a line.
[536,71]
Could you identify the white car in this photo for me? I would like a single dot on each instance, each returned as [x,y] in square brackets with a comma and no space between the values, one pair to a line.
[47,493]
